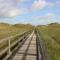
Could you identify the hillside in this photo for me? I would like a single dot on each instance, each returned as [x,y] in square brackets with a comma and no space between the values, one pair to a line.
[8,29]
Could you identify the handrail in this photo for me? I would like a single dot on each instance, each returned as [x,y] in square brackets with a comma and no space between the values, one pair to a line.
[42,55]
[8,40]
[2,40]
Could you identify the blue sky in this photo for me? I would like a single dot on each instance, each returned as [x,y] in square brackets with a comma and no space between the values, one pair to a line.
[36,12]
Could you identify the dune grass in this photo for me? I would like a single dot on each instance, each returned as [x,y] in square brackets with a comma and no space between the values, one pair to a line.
[51,40]
[10,30]
[7,30]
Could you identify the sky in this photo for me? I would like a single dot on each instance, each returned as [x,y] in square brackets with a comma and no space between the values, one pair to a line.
[36,12]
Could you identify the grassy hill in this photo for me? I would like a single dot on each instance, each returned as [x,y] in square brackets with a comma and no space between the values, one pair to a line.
[51,40]
[8,29]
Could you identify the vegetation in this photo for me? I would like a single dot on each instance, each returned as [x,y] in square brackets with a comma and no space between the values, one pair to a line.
[7,30]
[50,36]
[51,40]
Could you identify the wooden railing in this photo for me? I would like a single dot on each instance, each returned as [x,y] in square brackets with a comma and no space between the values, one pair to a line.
[41,54]
[9,44]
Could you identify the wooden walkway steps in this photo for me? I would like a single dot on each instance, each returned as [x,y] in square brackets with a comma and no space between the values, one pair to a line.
[28,50]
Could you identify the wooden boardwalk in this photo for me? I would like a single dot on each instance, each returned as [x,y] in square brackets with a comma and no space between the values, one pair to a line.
[28,50]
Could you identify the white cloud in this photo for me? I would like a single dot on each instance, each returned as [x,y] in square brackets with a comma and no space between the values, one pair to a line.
[39,4]
[47,16]
[13,12]
[8,8]
[23,1]
[49,4]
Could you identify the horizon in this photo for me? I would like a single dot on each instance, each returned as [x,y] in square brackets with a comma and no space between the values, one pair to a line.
[28,23]
[34,12]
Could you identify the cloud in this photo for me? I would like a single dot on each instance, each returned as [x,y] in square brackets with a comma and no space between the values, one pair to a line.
[39,4]
[13,12]
[50,5]
[8,8]
[12,8]
[23,1]
[47,16]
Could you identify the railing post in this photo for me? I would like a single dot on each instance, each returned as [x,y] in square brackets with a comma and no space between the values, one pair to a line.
[9,46]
